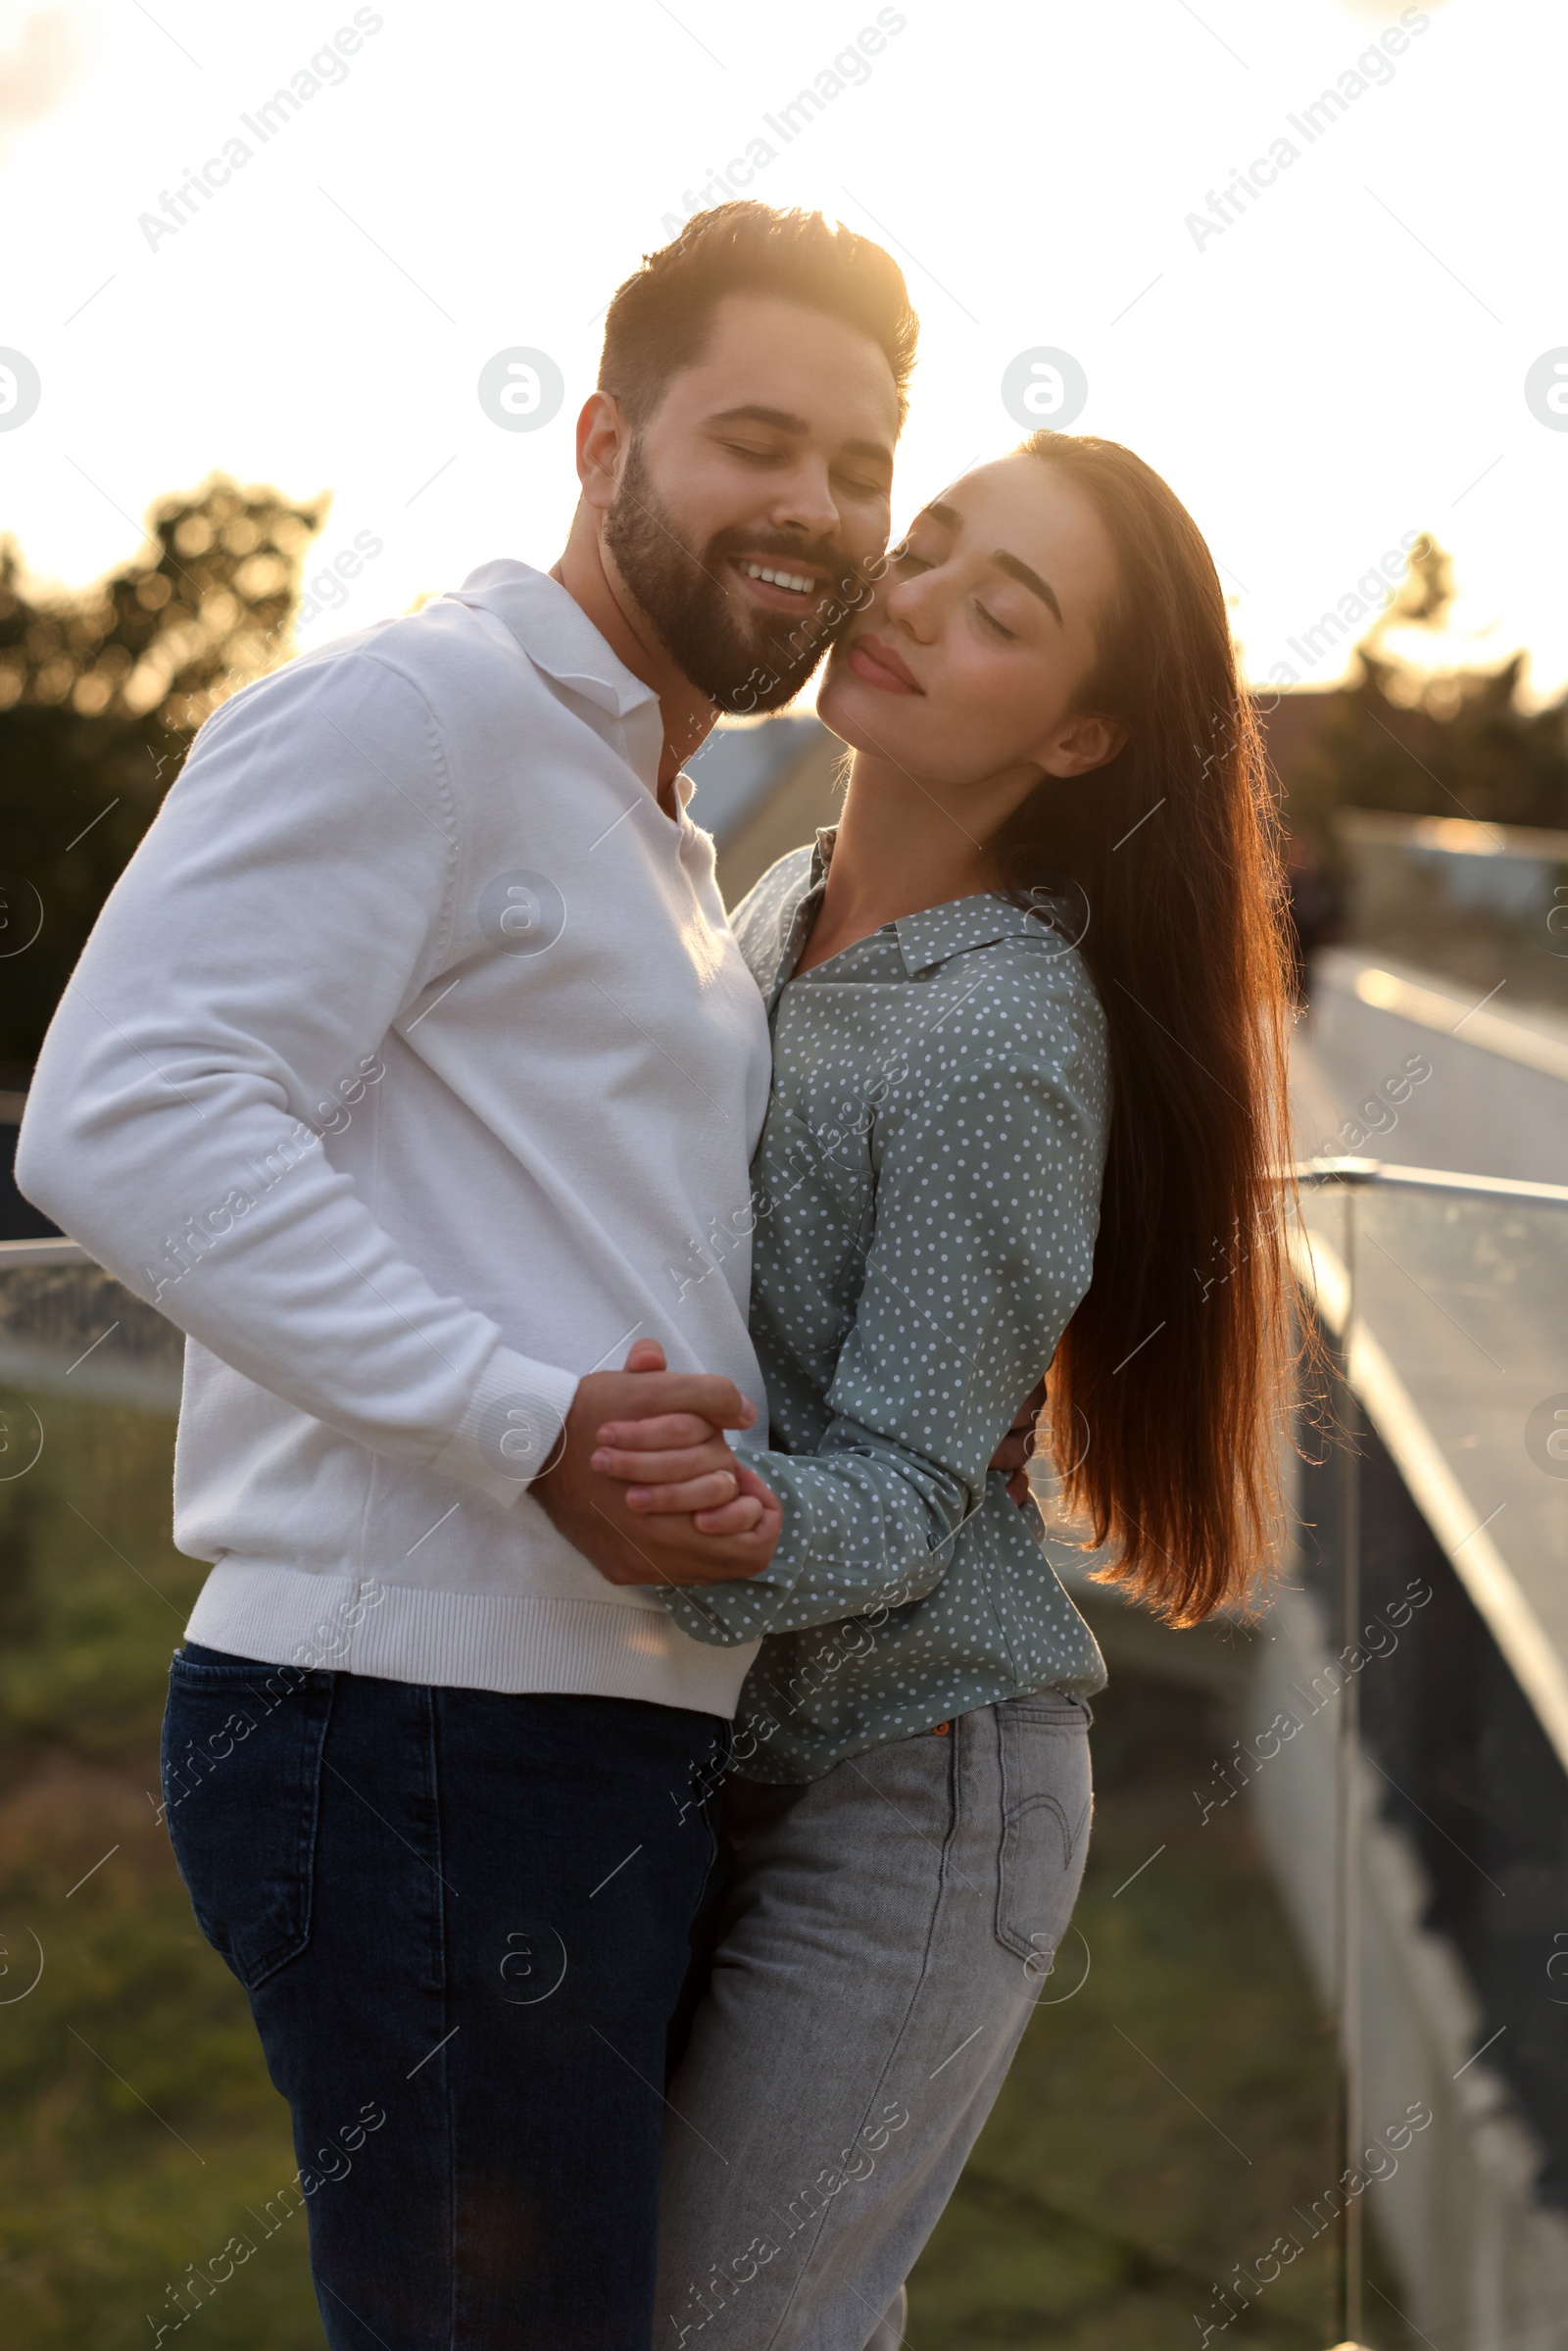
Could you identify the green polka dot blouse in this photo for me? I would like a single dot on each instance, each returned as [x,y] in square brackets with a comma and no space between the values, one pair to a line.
[924,1201]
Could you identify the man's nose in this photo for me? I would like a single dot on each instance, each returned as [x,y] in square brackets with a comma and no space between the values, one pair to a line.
[806,502]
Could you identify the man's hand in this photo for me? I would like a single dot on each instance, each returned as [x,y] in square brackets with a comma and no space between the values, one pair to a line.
[742,1519]
[677,1463]
[1018,1447]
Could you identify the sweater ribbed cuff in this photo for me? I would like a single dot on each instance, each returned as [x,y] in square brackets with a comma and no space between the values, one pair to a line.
[512,1426]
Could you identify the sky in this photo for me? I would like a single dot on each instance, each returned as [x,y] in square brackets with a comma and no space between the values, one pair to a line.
[1352,345]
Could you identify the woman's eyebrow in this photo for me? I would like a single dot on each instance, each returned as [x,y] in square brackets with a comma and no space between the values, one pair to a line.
[1020,571]
[950,518]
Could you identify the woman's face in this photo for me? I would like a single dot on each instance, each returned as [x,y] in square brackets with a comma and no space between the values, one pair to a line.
[968,665]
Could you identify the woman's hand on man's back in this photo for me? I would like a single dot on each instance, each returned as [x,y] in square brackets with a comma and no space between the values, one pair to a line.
[1018,1447]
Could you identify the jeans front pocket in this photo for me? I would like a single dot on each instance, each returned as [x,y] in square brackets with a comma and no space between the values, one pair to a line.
[1043,1752]
[242,1772]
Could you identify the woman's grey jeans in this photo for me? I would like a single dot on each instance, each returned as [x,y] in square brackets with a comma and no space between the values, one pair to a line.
[888,1932]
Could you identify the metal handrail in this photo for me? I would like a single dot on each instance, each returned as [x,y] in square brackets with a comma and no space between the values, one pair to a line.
[1309,1172]
[43,1252]
[1358,1172]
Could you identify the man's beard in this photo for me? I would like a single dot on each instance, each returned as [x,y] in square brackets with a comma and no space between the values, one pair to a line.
[682,592]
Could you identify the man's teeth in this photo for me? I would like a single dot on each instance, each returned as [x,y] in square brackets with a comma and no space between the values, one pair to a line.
[798,580]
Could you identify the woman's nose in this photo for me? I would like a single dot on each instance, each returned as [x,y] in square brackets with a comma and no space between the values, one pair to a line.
[915,602]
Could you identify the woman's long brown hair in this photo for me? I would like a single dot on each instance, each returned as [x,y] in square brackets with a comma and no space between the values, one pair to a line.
[1164,1394]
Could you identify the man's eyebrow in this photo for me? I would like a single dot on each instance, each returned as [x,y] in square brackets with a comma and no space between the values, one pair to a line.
[753,413]
[877,451]
[1026,578]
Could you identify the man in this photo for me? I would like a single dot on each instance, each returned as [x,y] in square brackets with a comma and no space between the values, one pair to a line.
[409,1069]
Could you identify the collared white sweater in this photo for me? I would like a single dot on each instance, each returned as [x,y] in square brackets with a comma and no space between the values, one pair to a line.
[411,1069]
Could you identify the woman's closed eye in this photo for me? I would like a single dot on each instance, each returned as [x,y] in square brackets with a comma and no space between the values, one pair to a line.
[909,565]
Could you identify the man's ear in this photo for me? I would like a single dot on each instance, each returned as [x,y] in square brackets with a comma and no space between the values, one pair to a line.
[1085,743]
[603,439]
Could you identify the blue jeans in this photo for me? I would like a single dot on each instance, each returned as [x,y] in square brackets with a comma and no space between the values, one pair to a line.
[466,1922]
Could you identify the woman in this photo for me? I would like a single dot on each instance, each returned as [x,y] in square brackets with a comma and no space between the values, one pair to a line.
[1028,1016]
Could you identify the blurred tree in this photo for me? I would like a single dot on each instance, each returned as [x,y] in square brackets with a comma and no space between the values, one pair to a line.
[1421,742]
[101,693]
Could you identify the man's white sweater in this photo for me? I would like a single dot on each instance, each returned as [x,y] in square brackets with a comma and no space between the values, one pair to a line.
[413,1070]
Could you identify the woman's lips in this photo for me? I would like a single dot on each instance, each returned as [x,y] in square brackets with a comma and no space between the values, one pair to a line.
[880,665]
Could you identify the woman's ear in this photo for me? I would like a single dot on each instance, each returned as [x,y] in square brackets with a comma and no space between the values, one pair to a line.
[1085,743]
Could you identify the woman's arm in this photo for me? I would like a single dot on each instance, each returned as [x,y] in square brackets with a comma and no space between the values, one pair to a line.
[988,1188]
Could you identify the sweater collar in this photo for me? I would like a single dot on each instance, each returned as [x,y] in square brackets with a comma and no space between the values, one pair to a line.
[555,632]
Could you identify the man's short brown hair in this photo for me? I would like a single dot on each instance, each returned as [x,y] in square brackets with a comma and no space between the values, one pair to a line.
[659,321]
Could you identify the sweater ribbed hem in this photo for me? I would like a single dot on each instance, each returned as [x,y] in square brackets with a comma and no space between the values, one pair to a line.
[513,1642]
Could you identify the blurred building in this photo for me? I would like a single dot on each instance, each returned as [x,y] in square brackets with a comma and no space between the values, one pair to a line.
[763,786]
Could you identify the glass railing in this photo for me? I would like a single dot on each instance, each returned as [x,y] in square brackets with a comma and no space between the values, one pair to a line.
[1314,2085]
[1300,2073]
[1432,1614]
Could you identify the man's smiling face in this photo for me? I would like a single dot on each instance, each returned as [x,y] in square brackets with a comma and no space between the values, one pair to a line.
[752,500]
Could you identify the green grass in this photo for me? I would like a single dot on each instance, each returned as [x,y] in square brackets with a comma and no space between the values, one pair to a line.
[140,2123]
[141,2132]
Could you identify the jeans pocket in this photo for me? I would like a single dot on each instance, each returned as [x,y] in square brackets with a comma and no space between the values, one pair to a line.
[1042,1753]
[242,1752]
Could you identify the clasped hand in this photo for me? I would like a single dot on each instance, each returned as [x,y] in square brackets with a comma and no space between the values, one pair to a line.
[646,1487]
[711,1519]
